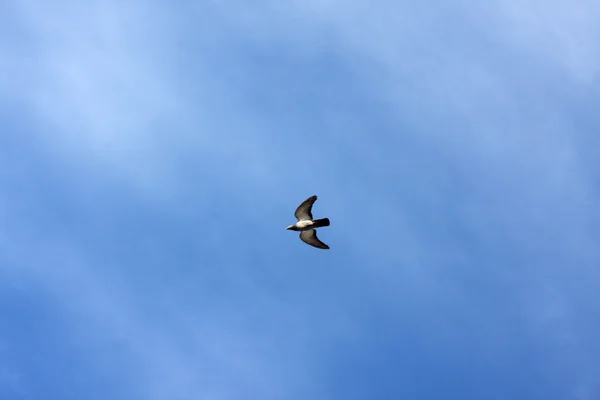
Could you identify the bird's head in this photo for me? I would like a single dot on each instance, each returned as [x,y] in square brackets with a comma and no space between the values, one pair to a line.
[291,228]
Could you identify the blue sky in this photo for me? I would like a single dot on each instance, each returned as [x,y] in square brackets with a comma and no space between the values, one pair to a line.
[154,152]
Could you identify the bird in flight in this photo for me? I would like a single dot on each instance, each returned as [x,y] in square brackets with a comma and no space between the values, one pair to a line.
[306,224]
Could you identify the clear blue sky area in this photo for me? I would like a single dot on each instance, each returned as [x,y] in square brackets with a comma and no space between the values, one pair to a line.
[152,154]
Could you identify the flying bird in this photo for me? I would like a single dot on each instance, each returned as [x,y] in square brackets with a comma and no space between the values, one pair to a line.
[306,224]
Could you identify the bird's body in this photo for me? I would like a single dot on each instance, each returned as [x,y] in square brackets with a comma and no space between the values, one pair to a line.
[307,225]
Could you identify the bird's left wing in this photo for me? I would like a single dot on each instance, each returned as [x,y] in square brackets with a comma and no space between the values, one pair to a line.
[304,210]
[310,237]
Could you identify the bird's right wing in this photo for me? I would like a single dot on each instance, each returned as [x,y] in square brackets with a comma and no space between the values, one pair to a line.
[304,210]
[310,237]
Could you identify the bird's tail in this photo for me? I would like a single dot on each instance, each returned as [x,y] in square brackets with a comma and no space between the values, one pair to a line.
[321,222]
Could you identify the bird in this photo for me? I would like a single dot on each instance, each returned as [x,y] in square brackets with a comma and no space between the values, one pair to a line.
[306,224]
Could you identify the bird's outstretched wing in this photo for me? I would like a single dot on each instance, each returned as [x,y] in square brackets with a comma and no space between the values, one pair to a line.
[310,237]
[304,210]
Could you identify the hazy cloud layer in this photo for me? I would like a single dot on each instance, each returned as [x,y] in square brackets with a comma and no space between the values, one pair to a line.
[152,155]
